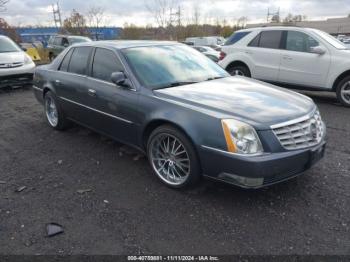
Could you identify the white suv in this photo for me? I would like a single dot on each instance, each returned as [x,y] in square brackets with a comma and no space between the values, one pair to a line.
[304,57]
[16,67]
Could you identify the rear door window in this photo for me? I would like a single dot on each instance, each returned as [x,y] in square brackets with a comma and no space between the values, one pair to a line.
[270,39]
[236,37]
[105,63]
[79,60]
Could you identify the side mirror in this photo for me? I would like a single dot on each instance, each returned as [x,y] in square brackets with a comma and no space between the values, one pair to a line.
[120,79]
[318,50]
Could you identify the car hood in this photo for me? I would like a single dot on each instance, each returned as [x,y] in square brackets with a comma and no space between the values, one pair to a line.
[251,101]
[12,57]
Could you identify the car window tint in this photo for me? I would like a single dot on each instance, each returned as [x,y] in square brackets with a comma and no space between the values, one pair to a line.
[236,37]
[255,41]
[300,42]
[270,39]
[105,63]
[79,59]
[65,62]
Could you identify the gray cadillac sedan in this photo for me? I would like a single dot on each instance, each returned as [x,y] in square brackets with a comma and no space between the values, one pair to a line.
[188,115]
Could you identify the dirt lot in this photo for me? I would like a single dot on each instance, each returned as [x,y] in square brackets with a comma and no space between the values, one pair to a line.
[128,211]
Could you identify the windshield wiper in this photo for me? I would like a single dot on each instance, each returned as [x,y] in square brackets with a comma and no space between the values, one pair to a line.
[174,84]
[215,78]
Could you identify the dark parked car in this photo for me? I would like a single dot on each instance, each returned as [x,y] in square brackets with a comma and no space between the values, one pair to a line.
[58,43]
[185,112]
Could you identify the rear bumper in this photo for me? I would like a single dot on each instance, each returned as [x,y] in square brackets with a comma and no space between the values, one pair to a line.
[16,80]
[258,171]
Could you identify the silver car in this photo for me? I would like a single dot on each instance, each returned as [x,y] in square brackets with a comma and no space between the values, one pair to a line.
[16,67]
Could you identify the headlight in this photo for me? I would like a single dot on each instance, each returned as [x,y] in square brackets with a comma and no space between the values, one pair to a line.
[27,60]
[241,138]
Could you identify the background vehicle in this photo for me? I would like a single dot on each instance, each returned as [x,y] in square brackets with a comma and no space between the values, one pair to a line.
[301,57]
[16,67]
[205,41]
[58,43]
[184,111]
[209,52]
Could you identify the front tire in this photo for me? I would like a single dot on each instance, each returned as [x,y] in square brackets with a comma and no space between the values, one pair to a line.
[54,113]
[239,70]
[343,91]
[173,158]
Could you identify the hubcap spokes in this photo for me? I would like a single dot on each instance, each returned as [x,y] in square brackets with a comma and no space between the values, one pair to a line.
[51,112]
[237,73]
[170,159]
[345,92]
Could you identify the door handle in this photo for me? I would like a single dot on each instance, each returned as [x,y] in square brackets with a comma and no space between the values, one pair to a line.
[58,82]
[287,57]
[92,92]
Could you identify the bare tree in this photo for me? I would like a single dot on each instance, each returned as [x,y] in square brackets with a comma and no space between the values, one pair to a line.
[96,17]
[3,5]
[163,11]
[196,14]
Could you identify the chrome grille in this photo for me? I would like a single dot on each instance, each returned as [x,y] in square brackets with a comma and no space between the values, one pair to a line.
[302,133]
[11,65]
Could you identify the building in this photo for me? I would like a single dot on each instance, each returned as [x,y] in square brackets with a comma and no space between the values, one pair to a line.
[42,34]
[334,26]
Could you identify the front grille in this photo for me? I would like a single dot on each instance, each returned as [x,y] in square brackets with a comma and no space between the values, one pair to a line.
[303,133]
[16,80]
[11,65]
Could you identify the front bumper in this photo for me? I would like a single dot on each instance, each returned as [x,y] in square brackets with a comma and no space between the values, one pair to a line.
[14,81]
[258,171]
[17,77]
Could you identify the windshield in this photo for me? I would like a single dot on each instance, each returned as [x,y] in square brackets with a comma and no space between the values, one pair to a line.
[165,66]
[79,40]
[7,45]
[330,39]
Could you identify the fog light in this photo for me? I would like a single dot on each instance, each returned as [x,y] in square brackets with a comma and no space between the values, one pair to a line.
[243,181]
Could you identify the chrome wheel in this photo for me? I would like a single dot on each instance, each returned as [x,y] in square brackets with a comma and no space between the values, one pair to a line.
[51,111]
[237,72]
[170,159]
[345,92]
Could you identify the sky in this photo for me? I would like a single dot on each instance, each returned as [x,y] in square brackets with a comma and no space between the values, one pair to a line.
[119,12]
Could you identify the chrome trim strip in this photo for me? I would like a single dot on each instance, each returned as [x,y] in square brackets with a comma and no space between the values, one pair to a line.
[294,121]
[98,111]
[231,154]
[37,88]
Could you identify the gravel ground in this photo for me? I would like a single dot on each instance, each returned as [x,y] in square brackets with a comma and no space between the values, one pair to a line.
[128,211]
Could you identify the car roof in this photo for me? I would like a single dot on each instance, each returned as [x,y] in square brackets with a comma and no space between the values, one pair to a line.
[275,28]
[123,44]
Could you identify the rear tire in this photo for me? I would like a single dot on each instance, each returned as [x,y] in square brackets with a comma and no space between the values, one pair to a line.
[173,158]
[343,92]
[54,113]
[239,70]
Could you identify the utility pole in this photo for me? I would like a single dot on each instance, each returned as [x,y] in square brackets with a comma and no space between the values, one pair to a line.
[272,15]
[57,15]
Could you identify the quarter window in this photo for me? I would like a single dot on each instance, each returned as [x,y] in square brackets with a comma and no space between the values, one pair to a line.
[65,62]
[236,37]
[79,60]
[300,42]
[105,63]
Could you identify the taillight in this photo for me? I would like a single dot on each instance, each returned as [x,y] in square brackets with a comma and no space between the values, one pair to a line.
[222,56]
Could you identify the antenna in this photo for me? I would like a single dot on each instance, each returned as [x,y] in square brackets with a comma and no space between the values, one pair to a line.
[57,15]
